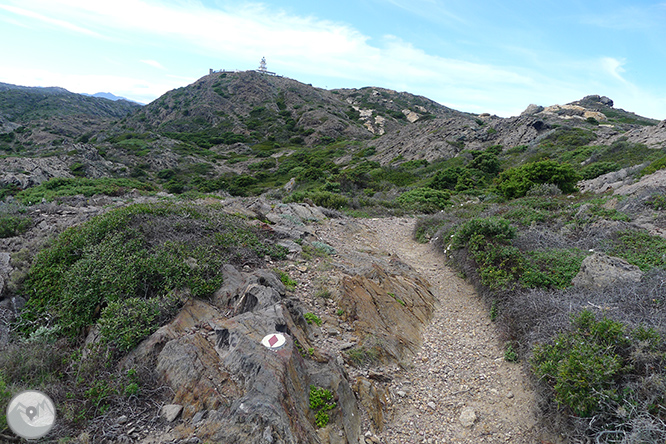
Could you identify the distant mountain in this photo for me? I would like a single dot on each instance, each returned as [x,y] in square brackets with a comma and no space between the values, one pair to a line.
[22,104]
[110,96]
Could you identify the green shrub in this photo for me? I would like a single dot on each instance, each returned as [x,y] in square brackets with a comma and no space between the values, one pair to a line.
[640,248]
[446,179]
[325,199]
[654,166]
[58,187]
[125,323]
[584,366]
[552,268]
[11,225]
[491,228]
[516,182]
[486,162]
[142,251]
[597,169]
[5,397]
[425,199]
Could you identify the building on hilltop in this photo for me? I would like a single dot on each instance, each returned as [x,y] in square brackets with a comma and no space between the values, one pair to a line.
[262,69]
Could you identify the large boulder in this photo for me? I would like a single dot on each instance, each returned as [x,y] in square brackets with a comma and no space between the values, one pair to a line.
[387,311]
[212,358]
[600,270]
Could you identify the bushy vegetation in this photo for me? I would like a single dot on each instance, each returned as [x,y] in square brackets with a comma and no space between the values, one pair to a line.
[516,182]
[59,187]
[592,367]
[13,224]
[120,276]
[607,364]
[131,260]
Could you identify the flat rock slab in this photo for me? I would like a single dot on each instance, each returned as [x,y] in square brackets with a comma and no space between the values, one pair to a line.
[171,411]
[600,271]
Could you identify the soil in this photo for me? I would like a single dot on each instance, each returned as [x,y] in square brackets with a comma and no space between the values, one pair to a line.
[458,388]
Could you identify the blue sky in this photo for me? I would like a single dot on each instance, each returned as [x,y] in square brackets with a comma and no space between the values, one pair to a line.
[481,56]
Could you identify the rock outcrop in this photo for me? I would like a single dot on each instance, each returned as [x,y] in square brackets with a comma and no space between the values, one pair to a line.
[600,270]
[212,357]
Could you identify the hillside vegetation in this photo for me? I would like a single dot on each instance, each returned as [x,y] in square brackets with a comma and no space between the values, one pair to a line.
[499,197]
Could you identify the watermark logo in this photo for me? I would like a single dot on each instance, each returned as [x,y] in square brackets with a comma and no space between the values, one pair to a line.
[31,414]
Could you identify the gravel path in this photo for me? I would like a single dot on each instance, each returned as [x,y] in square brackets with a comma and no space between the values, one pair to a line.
[459,388]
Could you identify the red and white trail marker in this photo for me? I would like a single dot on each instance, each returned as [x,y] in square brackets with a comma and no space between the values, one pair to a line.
[274,341]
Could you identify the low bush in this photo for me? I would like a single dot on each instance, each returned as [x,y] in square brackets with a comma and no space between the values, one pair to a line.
[13,225]
[587,367]
[141,251]
[59,187]
[425,200]
[516,182]
[640,248]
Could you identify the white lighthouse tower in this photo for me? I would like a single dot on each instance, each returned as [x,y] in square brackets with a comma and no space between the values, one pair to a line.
[262,65]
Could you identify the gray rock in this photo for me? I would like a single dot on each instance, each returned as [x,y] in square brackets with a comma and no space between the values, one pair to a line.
[467,417]
[432,405]
[171,411]
[245,292]
[532,109]
[121,419]
[600,271]
[401,393]
[198,417]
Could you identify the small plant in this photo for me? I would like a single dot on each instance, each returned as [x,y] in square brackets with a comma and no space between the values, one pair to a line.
[323,293]
[312,318]
[493,310]
[340,312]
[510,354]
[323,248]
[400,301]
[287,280]
[321,401]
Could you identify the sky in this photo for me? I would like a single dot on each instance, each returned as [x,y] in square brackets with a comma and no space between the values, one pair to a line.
[480,56]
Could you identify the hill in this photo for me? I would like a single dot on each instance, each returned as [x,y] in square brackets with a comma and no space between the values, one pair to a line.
[22,104]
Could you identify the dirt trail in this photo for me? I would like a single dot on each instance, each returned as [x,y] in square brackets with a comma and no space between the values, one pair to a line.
[459,388]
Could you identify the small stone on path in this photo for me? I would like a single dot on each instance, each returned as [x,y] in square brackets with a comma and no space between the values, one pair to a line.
[467,417]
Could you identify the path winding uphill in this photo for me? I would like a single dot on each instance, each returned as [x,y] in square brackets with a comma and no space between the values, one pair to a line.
[458,388]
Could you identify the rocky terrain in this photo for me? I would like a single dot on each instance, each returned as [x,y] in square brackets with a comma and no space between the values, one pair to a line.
[404,344]
[254,184]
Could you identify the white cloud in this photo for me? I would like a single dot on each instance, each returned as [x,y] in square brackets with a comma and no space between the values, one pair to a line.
[614,67]
[153,63]
[306,47]
[60,23]
[132,88]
